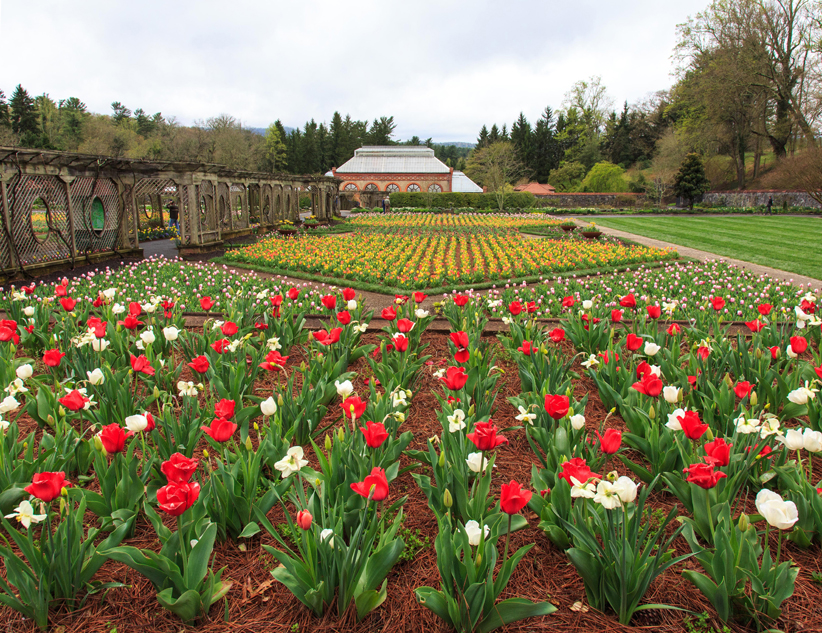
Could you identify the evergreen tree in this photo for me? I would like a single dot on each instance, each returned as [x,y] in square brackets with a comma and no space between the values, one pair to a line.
[121,113]
[522,140]
[482,140]
[546,152]
[274,157]
[494,135]
[335,135]
[72,117]
[381,131]
[690,181]
[5,119]
[24,117]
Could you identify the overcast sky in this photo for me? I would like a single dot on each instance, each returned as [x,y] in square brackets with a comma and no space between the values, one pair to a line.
[442,68]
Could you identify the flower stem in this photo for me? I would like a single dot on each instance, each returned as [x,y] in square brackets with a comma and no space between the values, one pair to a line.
[183,545]
[507,540]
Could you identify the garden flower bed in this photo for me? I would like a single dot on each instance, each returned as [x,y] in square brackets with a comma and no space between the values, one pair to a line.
[248,474]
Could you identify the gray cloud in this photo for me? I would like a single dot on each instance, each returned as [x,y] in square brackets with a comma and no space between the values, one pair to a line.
[442,68]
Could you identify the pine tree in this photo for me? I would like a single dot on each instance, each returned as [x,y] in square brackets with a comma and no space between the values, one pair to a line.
[521,138]
[5,119]
[121,112]
[24,117]
[690,181]
[482,139]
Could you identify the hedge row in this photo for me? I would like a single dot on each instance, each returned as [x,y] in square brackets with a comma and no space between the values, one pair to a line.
[456,200]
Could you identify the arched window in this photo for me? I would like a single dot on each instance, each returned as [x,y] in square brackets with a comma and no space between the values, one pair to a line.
[413,187]
[351,187]
[435,188]
[371,187]
[392,188]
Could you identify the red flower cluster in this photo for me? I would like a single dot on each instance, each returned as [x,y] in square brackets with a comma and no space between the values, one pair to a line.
[47,486]
[180,493]
[485,436]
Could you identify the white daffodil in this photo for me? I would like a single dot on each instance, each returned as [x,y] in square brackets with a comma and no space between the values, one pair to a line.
[16,386]
[96,376]
[577,422]
[626,489]
[136,423]
[669,307]
[268,407]
[651,348]
[582,490]
[171,333]
[420,313]
[187,388]
[747,426]
[8,404]
[671,394]
[262,295]
[476,462]
[607,495]
[456,421]
[792,439]
[292,462]
[769,427]
[439,373]
[344,388]
[496,303]
[525,415]
[217,325]
[812,441]
[472,529]
[360,328]
[24,513]
[507,320]
[234,345]
[273,343]
[777,512]
[591,362]
[398,399]
[16,295]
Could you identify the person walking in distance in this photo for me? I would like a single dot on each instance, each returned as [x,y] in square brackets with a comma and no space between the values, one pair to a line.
[173,214]
[770,205]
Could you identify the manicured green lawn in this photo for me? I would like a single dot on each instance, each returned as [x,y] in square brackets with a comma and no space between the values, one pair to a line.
[793,244]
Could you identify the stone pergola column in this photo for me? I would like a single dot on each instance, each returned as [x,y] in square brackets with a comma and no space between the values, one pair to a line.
[67,180]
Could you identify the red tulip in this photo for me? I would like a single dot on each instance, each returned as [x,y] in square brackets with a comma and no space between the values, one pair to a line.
[633,342]
[455,378]
[703,352]
[348,294]
[818,371]
[674,329]
[221,346]
[642,369]
[515,308]
[606,357]
[68,303]
[229,328]
[344,317]
[47,486]
[389,313]
[718,303]
[304,519]
[206,303]
[177,497]
[224,409]
[400,342]
[401,299]
[654,312]
[764,309]
[53,357]
[557,406]
[628,301]
[141,365]
[610,442]
[799,344]
[755,326]
[461,342]
[60,291]
[775,351]
[131,322]
[199,364]
[616,316]
[329,301]
[460,300]
[374,485]
[276,300]
[718,452]
[353,407]
[29,289]
[513,497]
[526,348]
[576,468]
[419,297]
[650,385]
[274,361]
[74,400]
[150,423]
[568,302]
[375,434]
[531,307]
[327,338]
[293,293]
[220,430]
[557,334]
[179,468]
[485,436]
[703,475]
[691,425]
[742,389]
[113,437]
[405,325]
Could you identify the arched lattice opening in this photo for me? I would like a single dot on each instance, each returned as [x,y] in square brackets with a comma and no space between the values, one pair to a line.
[392,188]
[435,188]
[41,220]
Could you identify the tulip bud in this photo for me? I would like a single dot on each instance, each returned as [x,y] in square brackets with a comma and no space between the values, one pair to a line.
[570,412]
[728,380]
[328,443]
[447,499]
[64,492]
[205,453]
[248,445]
[341,434]
[754,399]
[62,501]
[652,413]
[709,435]
[156,392]
[98,443]
[280,399]
[568,392]
[471,410]
[50,420]
[256,427]
[744,522]
[758,353]
[61,412]
[479,560]
[441,460]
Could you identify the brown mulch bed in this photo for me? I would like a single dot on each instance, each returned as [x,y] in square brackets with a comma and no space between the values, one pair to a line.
[258,603]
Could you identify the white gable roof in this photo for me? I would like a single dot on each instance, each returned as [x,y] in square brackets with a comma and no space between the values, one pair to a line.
[463,184]
[394,159]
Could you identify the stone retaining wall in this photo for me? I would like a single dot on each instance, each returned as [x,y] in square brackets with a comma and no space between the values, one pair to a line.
[760,199]
[580,200]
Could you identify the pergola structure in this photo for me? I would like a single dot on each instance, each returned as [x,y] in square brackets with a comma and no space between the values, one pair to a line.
[58,209]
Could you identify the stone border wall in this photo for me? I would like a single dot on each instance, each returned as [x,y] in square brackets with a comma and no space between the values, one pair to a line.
[760,199]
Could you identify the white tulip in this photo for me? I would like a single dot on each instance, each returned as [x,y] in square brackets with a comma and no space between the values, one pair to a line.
[352,305]
[118,308]
[109,293]
[671,394]
[171,333]
[327,535]
[420,313]
[801,395]
[777,512]
[9,403]
[656,370]
[274,344]
[673,419]
[769,427]
[28,311]
[24,372]
[136,423]
[344,388]
[4,424]
[147,337]
[792,439]
[812,441]
[99,344]
[96,377]
[587,304]
[789,349]
[472,529]
[473,462]
[16,386]
[292,462]
[268,407]
[747,426]
[651,348]
[607,495]
[626,489]
[577,422]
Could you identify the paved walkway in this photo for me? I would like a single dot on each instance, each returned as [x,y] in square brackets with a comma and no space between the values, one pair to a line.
[798,280]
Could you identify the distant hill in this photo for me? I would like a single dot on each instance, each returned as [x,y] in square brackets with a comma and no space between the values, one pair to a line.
[261,130]
[457,144]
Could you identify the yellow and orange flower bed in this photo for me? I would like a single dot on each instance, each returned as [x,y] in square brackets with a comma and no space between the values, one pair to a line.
[460,250]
